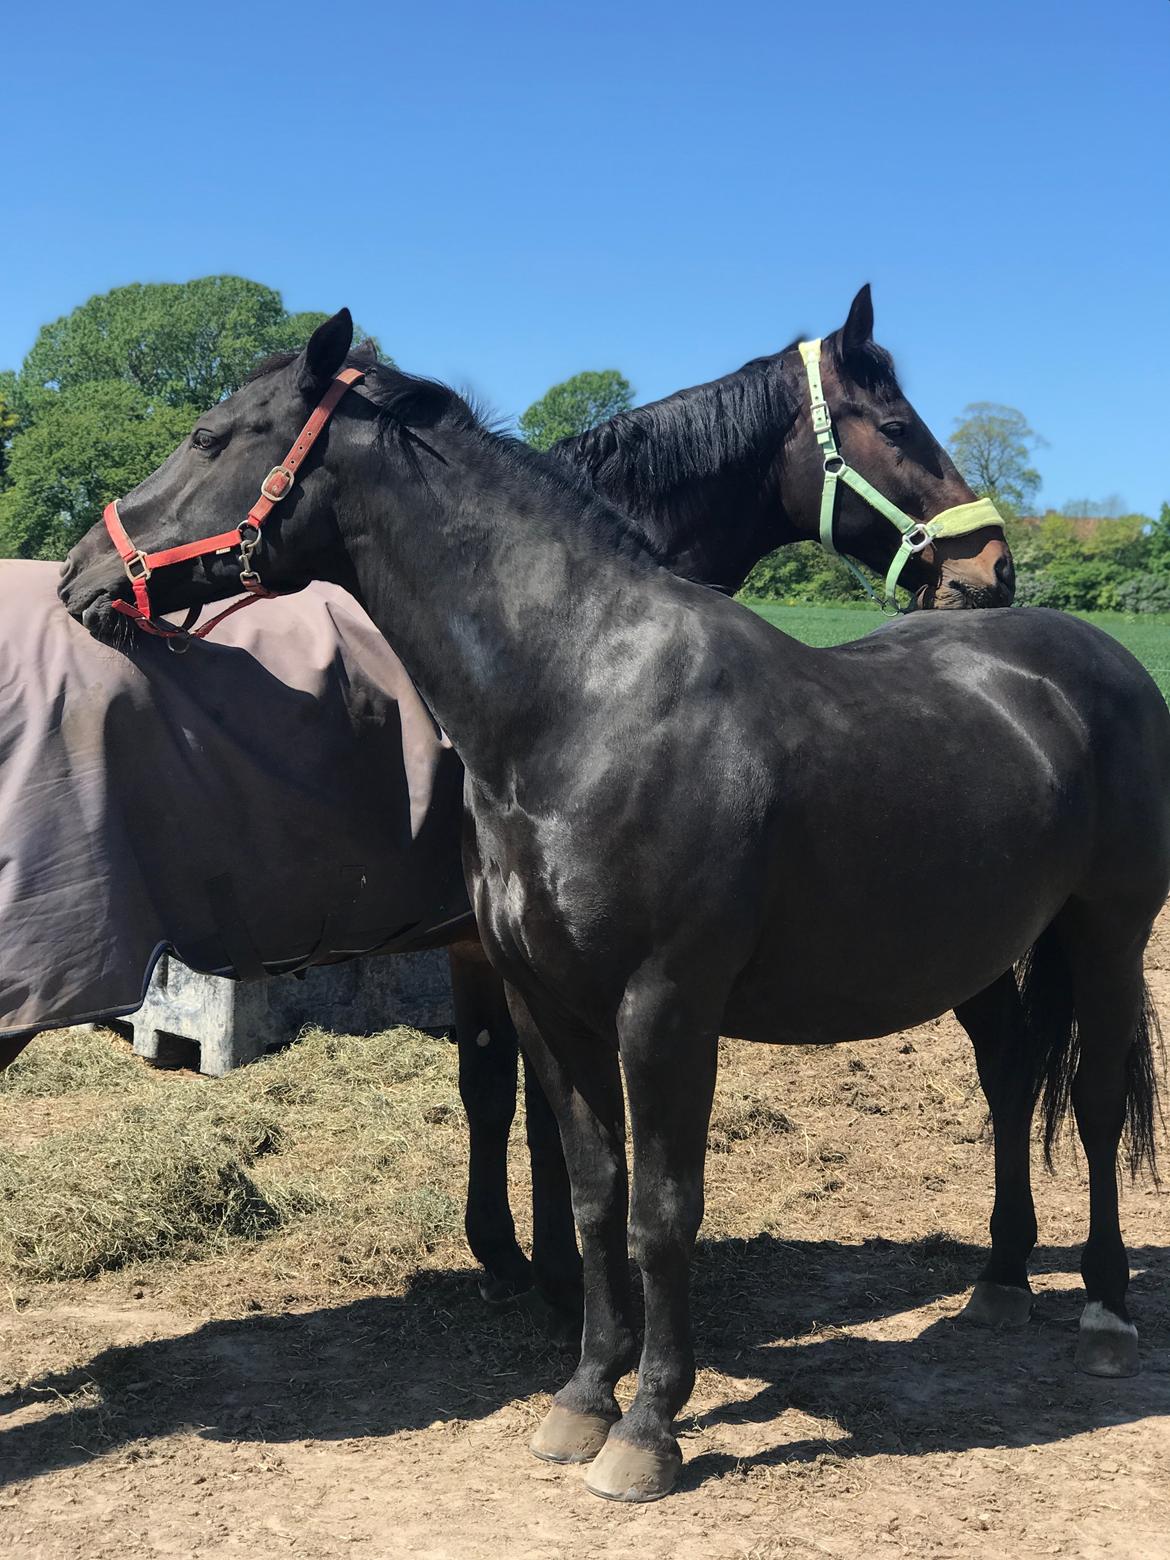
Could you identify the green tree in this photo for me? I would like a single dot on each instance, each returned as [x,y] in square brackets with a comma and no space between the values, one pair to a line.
[1158,542]
[991,446]
[575,406]
[181,343]
[1080,563]
[91,443]
[108,391]
[802,574]
[8,426]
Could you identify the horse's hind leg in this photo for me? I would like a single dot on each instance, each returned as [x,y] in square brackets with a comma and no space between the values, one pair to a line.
[1113,1083]
[556,1262]
[994,1020]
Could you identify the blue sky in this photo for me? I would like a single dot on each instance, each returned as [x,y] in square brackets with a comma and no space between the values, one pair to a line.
[510,192]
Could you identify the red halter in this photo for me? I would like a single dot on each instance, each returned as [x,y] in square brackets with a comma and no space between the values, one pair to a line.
[276,485]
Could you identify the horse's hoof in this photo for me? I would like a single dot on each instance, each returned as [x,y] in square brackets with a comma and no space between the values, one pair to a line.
[567,1437]
[997,1305]
[500,1293]
[621,1471]
[1106,1345]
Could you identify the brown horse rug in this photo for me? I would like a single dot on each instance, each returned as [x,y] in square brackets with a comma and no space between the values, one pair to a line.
[274,797]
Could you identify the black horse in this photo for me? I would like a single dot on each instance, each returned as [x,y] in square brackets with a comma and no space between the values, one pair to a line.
[680,823]
[714,477]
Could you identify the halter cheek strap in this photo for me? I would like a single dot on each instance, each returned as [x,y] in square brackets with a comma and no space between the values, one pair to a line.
[245,537]
[959,520]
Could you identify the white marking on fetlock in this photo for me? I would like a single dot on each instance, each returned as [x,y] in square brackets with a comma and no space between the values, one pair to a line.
[1097,1317]
[483,1038]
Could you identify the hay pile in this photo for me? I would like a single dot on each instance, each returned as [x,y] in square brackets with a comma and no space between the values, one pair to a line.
[340,1165]
[328,1148]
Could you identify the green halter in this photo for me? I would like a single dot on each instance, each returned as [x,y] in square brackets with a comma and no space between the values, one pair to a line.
[959,520]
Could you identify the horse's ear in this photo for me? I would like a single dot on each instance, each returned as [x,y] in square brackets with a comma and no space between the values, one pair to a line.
[858,328]
[327,350]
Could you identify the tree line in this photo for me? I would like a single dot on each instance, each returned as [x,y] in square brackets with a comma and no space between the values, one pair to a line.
[107,392]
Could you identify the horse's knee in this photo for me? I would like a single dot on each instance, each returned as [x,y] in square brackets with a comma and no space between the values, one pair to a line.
[487,1078]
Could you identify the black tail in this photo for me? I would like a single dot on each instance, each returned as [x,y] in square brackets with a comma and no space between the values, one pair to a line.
[1046,993]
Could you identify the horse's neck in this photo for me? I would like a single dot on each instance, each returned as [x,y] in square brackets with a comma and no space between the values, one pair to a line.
[498,595]
[699,477]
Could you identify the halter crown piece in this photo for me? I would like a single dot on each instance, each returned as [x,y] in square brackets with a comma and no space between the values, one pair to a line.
[917,535]
[278,484]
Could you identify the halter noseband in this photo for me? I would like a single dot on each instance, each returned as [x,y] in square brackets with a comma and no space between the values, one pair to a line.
[277,485]
[917,535]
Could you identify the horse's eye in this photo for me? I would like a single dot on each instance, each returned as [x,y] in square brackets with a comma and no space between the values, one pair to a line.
[893,429]
[202,440]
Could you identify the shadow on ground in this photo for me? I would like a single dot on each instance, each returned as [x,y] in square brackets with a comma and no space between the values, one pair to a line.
[767,1311]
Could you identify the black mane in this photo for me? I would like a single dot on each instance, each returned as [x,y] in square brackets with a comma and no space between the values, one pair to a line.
[407,401]
[655,459]
[400,398]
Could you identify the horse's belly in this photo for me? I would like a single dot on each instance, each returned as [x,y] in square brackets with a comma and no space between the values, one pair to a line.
[847,972]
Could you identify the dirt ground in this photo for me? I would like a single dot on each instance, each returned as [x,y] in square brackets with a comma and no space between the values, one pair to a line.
[215,1411]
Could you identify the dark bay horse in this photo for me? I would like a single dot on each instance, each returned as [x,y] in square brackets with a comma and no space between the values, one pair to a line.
[680,823]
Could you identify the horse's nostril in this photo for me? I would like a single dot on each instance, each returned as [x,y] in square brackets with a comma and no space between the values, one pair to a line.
[1004,572]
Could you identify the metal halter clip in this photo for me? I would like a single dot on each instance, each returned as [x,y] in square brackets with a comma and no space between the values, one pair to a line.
[286,478]
[916,539]
[249,541]
[137,561]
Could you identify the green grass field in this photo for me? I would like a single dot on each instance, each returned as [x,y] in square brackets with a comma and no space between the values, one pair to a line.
[1147,637]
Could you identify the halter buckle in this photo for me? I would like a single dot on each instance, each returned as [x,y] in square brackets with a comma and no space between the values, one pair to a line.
[137,561]
[821,419]
[285,478]
[917,539]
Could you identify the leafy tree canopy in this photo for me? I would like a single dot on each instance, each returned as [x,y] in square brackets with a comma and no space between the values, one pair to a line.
[108,391]
[8,425]
[575,406]
[991,446]
[89,444]
[802,573]
[179,343]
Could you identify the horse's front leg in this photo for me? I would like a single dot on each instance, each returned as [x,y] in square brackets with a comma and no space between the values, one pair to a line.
[583,1084]
[994,1019]
[487,1086]
[670,1078]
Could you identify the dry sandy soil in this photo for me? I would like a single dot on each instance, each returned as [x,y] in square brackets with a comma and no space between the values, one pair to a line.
[215,1409]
